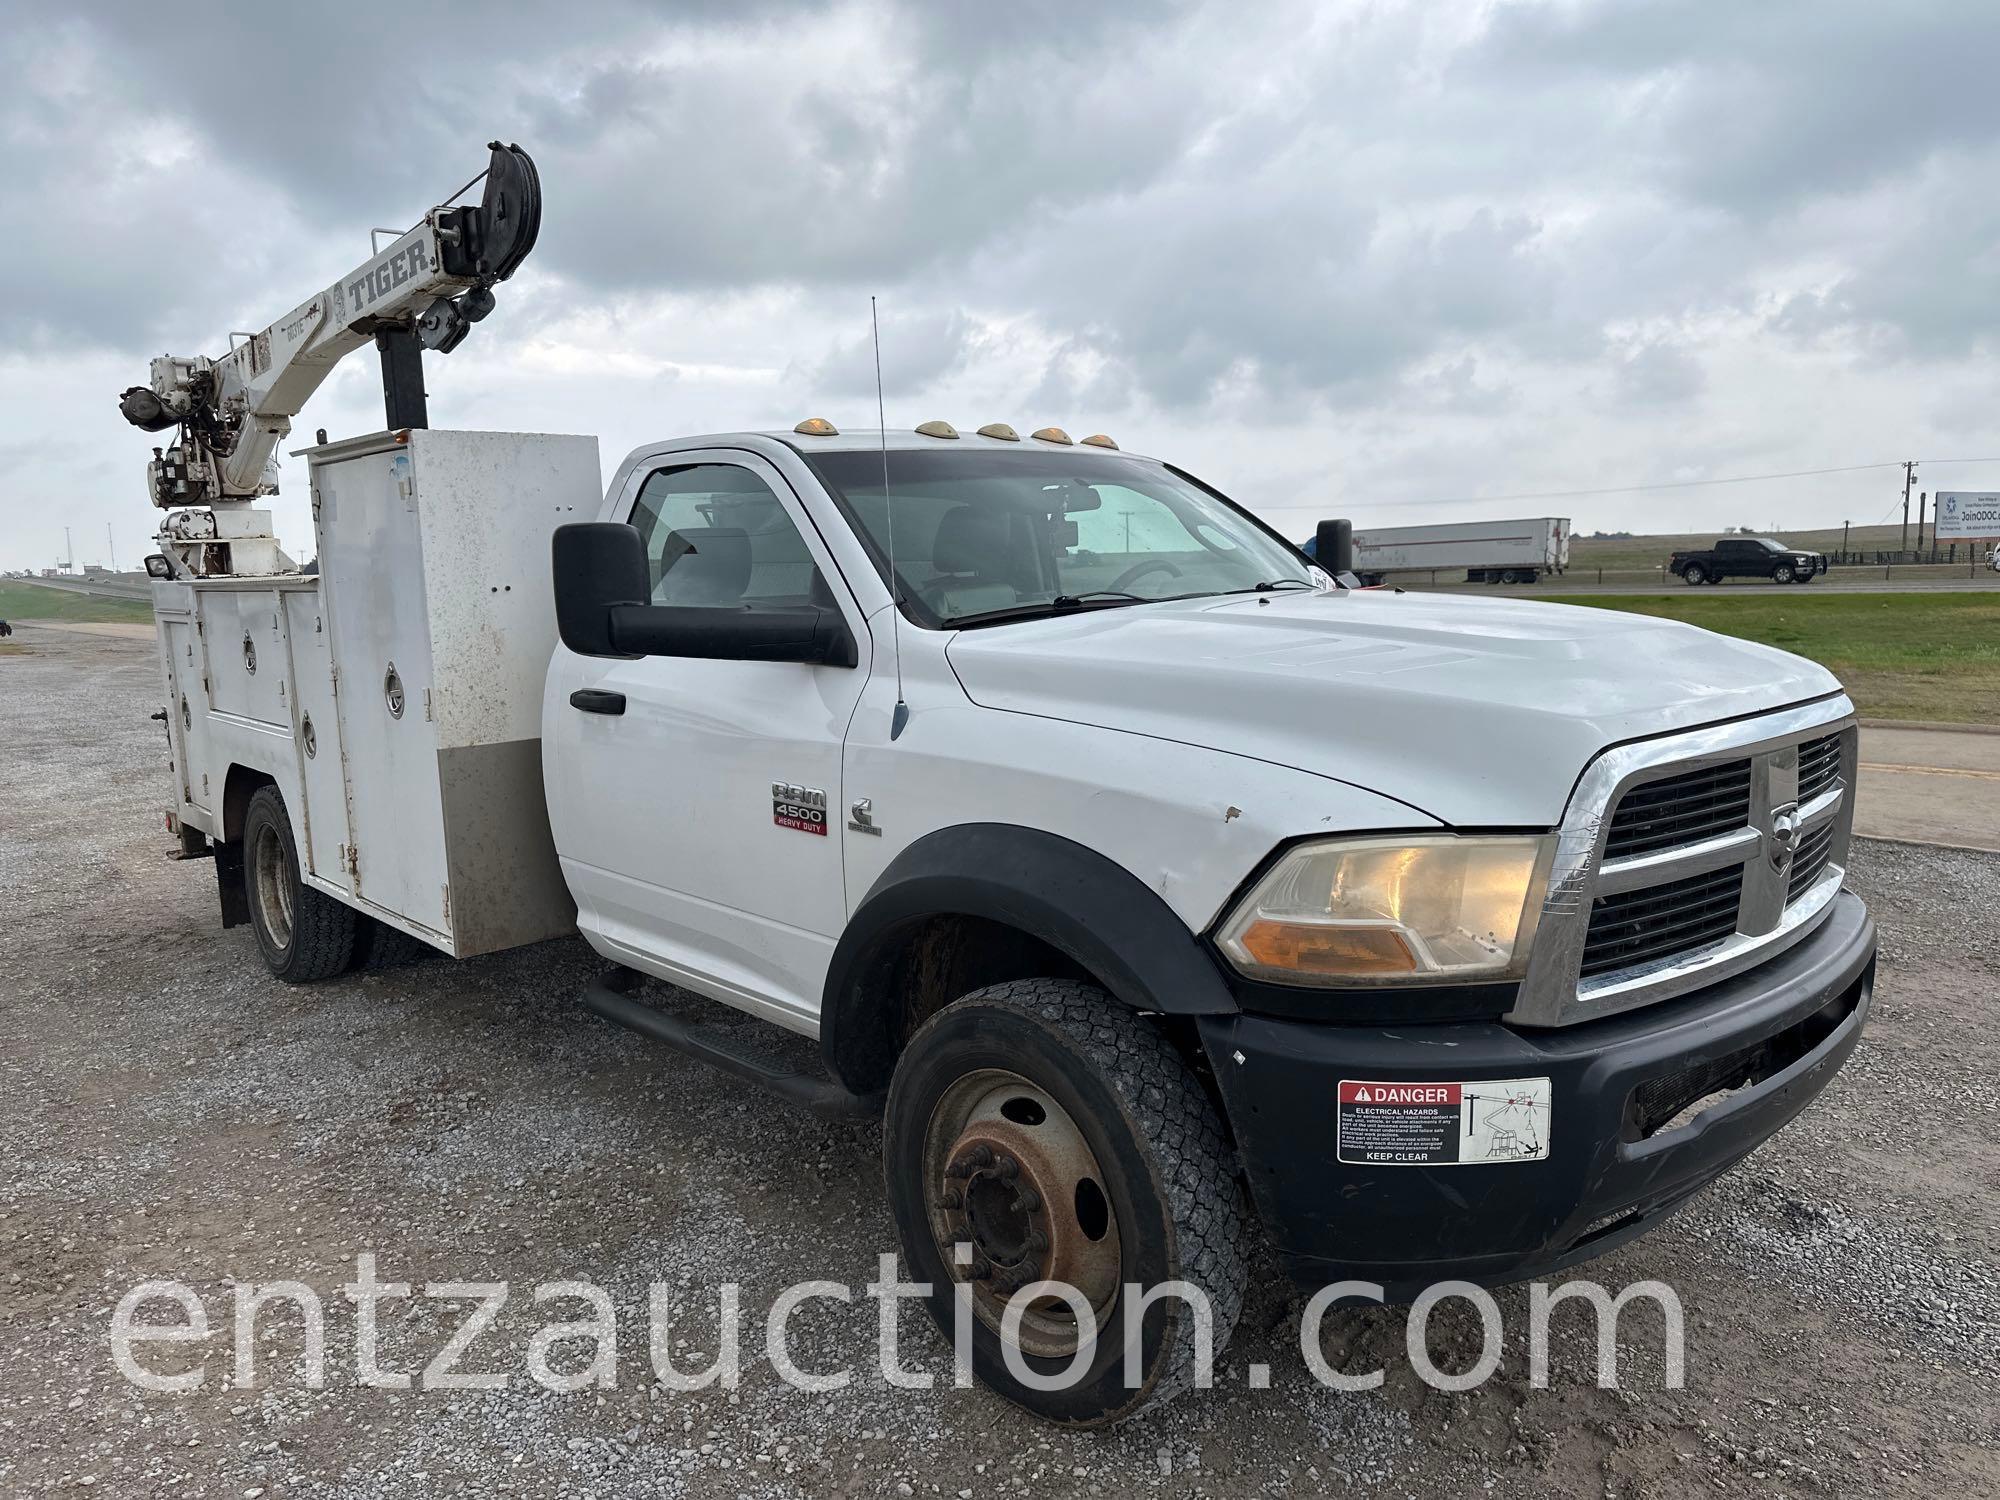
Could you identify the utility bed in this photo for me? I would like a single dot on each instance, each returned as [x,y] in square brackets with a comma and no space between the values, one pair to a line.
[395,697]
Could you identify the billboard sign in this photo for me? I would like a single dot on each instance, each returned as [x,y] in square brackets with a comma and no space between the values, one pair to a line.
[1967,515]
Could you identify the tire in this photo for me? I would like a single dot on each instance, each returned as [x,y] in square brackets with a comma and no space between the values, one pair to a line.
[1510,576]
[1694,575]
[377,945]
[1041,1067]
[304,934]
[1783,573]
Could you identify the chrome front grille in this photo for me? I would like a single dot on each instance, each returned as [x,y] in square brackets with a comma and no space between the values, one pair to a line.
[1655,921]
[1684,859]
[1819,766]
[1815,852]
[1680,810]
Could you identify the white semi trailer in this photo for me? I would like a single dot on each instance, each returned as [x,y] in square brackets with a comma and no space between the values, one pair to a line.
[1517,551]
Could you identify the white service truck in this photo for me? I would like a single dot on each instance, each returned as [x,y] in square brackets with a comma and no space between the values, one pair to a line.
[1517,551]
[1149,883]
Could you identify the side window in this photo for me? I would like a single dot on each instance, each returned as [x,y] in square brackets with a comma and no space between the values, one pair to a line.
[1732,549]
[717,537]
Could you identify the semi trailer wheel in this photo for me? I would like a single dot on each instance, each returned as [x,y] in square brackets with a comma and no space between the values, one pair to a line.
[303,934]
[1059,1138]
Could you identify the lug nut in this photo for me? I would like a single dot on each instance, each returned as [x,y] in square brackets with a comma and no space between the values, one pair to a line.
[1028,1200]
[1037,1241]
[951,1198]
[1007,1167]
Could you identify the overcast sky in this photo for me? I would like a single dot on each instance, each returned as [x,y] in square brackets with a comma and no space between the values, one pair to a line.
[1373,260]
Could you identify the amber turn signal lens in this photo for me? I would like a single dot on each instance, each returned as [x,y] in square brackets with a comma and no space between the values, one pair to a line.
[1303,947]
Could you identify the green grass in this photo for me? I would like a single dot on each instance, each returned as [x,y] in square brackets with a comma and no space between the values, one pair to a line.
[28,601]
[1901,656]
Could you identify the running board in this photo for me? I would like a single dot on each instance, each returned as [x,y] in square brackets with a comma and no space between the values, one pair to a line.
[610,998]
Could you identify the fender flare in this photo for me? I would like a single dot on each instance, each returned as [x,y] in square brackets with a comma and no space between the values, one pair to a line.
[1078,901]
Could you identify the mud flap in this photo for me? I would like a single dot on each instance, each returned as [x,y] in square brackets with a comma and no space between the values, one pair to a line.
[229,889]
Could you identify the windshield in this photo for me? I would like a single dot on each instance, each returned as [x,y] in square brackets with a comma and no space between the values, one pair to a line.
[982,535]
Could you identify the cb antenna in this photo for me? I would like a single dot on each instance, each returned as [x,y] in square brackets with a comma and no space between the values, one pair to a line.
[902,714]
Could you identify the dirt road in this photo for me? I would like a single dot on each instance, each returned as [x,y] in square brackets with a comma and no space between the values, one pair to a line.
[1938,786]
[167,1110]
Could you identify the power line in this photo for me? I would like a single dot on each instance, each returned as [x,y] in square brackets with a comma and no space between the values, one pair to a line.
[1670,484]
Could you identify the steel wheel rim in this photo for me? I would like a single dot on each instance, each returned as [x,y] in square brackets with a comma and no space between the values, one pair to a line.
[1008,1171]
[274,886]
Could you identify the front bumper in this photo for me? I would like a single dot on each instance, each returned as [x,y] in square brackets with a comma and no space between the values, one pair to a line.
[1781,1030]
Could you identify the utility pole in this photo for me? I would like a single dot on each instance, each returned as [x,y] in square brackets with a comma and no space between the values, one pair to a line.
[69,552]
[1843,538]
[1909,477]
[111,545]
[1922,496]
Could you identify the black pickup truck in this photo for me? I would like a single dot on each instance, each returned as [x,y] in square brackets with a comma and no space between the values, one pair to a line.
[1748,557]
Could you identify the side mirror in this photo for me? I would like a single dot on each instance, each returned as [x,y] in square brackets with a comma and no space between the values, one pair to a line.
[802,633]
[602,589]
[598,565]
[1333,546]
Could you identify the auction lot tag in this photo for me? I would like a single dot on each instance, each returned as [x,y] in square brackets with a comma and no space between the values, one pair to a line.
[1478,1123]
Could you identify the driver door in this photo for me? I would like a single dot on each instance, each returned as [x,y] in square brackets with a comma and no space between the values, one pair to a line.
[698,821]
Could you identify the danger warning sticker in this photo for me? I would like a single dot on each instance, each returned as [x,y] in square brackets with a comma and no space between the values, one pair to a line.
[1478,1123]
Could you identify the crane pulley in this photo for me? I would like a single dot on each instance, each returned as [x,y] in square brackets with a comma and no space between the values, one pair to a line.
[425,290]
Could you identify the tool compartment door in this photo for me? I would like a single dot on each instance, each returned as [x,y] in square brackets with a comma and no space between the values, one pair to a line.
[372,591]
[187,711]
[316,730]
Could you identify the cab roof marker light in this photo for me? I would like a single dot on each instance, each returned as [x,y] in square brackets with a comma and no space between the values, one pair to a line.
[1052,435]
[937,429]
[1001,431]
[1099,440]
[817,427]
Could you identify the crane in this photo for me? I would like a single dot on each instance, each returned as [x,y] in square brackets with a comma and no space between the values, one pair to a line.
[425,290]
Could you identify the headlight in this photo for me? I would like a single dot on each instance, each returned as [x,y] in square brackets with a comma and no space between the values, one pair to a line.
[1431,910]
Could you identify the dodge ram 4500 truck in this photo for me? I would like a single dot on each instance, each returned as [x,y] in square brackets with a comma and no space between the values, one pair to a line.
[1153,887]
[1420,969]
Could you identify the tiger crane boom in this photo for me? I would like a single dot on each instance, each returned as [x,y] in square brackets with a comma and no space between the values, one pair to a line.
[423,291]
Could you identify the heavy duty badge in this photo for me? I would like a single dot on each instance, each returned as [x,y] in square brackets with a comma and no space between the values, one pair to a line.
[802,808]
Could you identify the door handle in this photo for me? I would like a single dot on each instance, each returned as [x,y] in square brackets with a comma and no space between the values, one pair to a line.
[597,701]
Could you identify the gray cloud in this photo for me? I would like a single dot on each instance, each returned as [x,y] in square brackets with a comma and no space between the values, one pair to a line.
[1477,238]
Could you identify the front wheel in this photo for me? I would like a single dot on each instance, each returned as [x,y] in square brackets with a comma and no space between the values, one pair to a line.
[1037,1131]
[1694,574]
[303,934]
[1783,573]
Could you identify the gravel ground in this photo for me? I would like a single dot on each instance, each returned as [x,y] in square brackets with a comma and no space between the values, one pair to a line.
[167,1110]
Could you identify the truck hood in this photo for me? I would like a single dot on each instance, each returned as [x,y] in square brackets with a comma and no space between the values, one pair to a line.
[1480,713]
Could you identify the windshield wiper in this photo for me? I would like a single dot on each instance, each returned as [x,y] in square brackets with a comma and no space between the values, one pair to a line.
[1272,585]
[1062,604]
